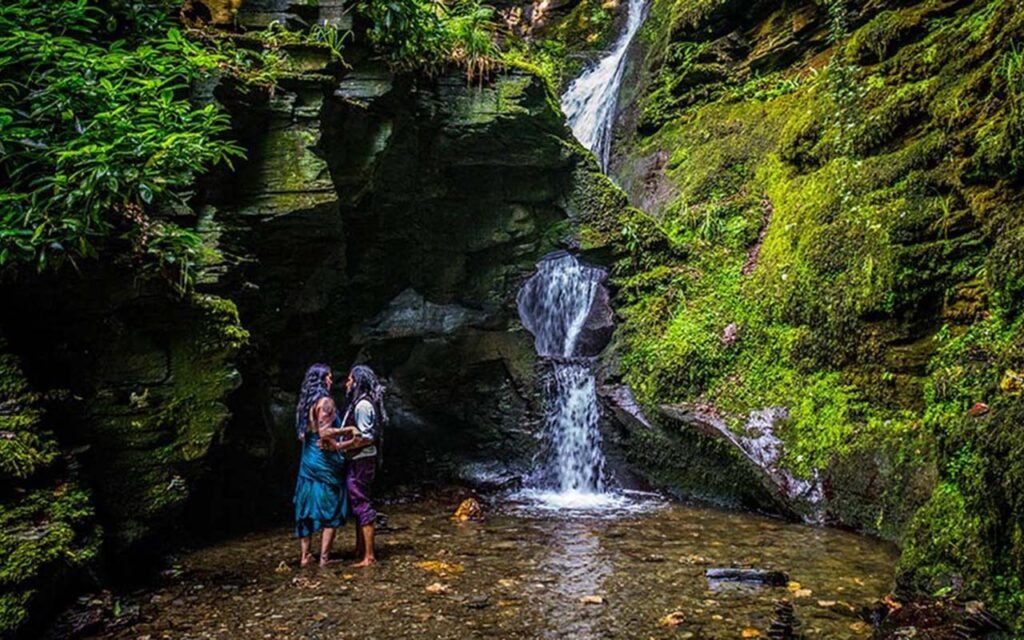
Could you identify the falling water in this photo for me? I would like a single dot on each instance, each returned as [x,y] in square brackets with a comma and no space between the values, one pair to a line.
[591,100]
[555,302]
[554,305]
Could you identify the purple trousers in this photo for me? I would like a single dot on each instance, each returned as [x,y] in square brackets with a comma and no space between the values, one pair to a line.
[358,480]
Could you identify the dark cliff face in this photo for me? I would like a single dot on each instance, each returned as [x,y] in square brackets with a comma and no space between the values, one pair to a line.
[391,220]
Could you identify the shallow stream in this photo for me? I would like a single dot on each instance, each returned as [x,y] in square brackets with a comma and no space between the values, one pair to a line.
[526,574]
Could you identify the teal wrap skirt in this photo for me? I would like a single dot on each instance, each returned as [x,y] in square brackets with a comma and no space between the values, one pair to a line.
[320,497]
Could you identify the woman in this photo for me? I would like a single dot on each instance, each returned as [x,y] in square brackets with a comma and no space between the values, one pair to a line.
[320,502]
[365,413]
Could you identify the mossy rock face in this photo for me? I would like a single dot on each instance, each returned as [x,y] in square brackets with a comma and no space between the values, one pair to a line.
[426,203]
[842,192]
[49,538]
[145,380]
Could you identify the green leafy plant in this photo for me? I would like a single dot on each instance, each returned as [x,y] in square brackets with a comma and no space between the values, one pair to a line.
[96,127]
[430,34]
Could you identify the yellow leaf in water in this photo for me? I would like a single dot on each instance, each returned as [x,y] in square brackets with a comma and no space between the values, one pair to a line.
[860,627]
[751,632]
[793,586]
[440,567]
[673,619]
[592,600]
[826,603]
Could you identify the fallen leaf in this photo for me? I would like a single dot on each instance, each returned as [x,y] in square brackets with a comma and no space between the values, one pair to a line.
[826,603]
[283,568]
[750,632]
[303,582]
[437,587]
[440,567]
[592,600]
[673,619]
[793,586]
[1012,382]
[891,603]
[860,627]
[802,593]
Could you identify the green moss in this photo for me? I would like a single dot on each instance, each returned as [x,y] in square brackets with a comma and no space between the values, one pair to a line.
[943,541]
[889,185]
[161,434]
[561,48]
[47,528]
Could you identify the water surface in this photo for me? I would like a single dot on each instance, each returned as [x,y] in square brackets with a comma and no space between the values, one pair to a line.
[526,574]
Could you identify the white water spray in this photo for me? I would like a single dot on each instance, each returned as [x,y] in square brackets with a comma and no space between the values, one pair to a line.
[591,100]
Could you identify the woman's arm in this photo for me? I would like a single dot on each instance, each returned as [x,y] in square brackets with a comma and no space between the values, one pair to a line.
[355,442]
[324,416]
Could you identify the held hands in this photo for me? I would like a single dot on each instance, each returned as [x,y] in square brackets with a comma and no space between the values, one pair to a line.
[352,439]
[349,439]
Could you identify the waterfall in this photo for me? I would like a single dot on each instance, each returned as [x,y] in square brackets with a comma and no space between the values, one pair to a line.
[591,100]
[554,305]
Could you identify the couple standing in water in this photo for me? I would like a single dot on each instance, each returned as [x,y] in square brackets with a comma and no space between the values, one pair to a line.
[339,458]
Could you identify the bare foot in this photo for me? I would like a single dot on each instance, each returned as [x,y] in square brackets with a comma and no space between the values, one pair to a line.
[324,560]
[306,560]
[365,562]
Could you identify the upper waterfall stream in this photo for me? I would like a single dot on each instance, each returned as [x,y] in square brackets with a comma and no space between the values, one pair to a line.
[591,100]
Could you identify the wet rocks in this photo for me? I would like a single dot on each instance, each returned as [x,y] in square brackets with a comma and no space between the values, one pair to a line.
[469,509]
[756,576]
[762,449]
[942,618]
[784,624]
[409,315]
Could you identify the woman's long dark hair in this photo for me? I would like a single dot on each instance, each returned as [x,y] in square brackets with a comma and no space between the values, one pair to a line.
[366,386]
[314,387]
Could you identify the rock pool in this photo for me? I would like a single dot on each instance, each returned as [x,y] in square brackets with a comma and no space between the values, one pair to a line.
[526,574]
